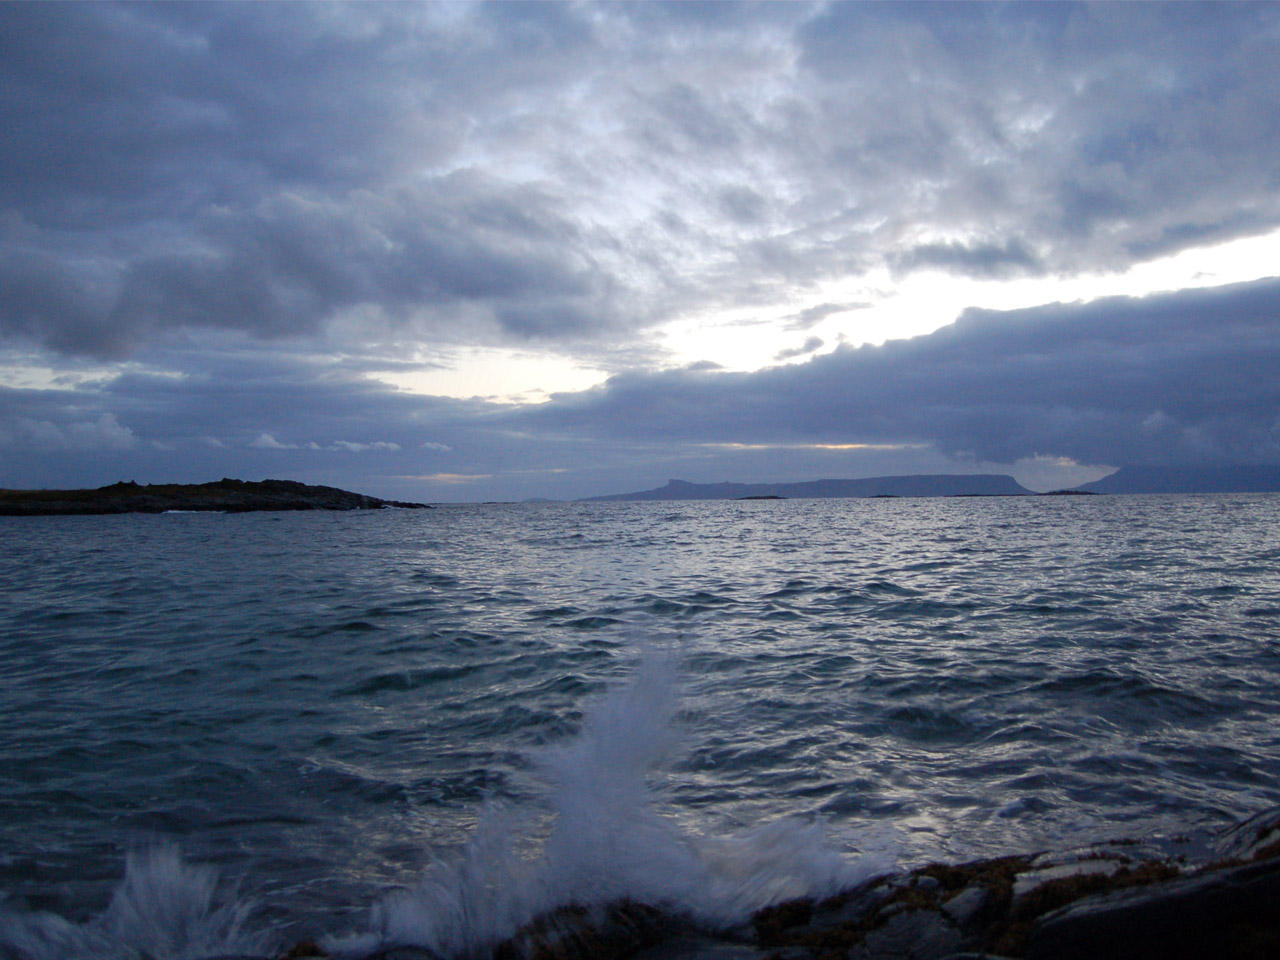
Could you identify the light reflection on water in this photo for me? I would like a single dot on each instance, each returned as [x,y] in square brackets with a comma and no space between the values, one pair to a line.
[321,701]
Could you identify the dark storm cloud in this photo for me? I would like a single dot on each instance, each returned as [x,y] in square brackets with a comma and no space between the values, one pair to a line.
[258,168]
[44,422]
[574,173]
[269,203]
[1186,377]
[1085,135]
[812,316]
[984,260]
[460,246]
[1191,377]
[238,415]
[810,345]
[120,112]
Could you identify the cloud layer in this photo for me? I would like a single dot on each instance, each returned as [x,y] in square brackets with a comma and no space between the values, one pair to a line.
[237,213]
[1172,378]
[1161,379]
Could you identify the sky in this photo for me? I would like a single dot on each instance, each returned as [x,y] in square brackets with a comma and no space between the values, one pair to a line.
[469,252]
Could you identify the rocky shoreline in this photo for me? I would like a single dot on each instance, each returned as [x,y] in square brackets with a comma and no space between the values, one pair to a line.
[1124,900]
[223,496]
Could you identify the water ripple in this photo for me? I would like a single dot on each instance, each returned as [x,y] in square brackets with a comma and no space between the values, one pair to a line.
[327,693]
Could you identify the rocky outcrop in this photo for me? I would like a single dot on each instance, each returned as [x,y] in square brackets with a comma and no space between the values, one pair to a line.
[226,496]
[1119,900]
[614,930]
[1112,901]
[1224,913]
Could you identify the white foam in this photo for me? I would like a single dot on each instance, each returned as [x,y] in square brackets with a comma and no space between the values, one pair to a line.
[598,836]
[164,909]
[607,840]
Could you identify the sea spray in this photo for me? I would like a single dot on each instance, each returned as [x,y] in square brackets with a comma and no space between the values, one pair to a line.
[607,841]
[164,909]
[599,835]
[903,662]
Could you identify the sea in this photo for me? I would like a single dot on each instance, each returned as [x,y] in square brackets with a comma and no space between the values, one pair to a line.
[225,734]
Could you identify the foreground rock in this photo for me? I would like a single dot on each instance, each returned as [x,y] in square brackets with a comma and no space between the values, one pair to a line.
[1121,900]
[1115,901]
[227,496]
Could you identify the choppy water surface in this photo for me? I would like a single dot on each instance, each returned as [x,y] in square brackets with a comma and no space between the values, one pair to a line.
[327,707]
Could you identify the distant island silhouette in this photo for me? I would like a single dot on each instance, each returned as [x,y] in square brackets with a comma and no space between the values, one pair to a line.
[1130,479]
[1193,479]
[922,485]
[223,496]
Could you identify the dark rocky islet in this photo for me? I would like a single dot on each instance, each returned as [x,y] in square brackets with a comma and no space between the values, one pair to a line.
[221,496]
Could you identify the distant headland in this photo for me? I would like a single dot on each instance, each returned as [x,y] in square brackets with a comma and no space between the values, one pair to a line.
[1201,479]
[1130,479]
[225,496]
[923,485]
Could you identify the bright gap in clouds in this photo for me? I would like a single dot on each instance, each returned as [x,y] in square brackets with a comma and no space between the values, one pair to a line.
[27,372]
[504,376]
[876,307]
[17,376]
[870,309]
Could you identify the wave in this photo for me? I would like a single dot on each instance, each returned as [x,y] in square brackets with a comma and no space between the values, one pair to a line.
[164,909]
[601,837]
[603,832]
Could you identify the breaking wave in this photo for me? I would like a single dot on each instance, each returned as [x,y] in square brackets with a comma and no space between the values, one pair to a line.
[601,838]
[164,909]
[599,835]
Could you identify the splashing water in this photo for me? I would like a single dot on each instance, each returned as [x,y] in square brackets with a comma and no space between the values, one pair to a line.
[318,703]
[607,841]
[599,837]
[163,908]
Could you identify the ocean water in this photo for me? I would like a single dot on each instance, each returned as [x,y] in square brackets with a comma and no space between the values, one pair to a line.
[226,733]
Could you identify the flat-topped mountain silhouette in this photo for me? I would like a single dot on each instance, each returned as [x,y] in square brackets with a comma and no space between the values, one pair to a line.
[1215,479]
[922,485]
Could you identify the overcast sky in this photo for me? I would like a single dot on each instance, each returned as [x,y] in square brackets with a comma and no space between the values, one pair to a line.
[471,251]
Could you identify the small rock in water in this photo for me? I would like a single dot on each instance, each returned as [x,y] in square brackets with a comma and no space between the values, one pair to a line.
[911,935]
[574,932]
[966,905]
[1033,879]
[406,953]
[701,948]
[1257,838]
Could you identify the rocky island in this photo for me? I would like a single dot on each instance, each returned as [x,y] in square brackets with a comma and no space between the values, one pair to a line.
[225,496]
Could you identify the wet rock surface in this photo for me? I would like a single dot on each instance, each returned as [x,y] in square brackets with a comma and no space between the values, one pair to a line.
[1226,913]
[226,496]
[611,932]
[1122,900]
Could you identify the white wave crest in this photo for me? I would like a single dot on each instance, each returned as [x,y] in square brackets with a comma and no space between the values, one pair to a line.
[164,908]
[607,840]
